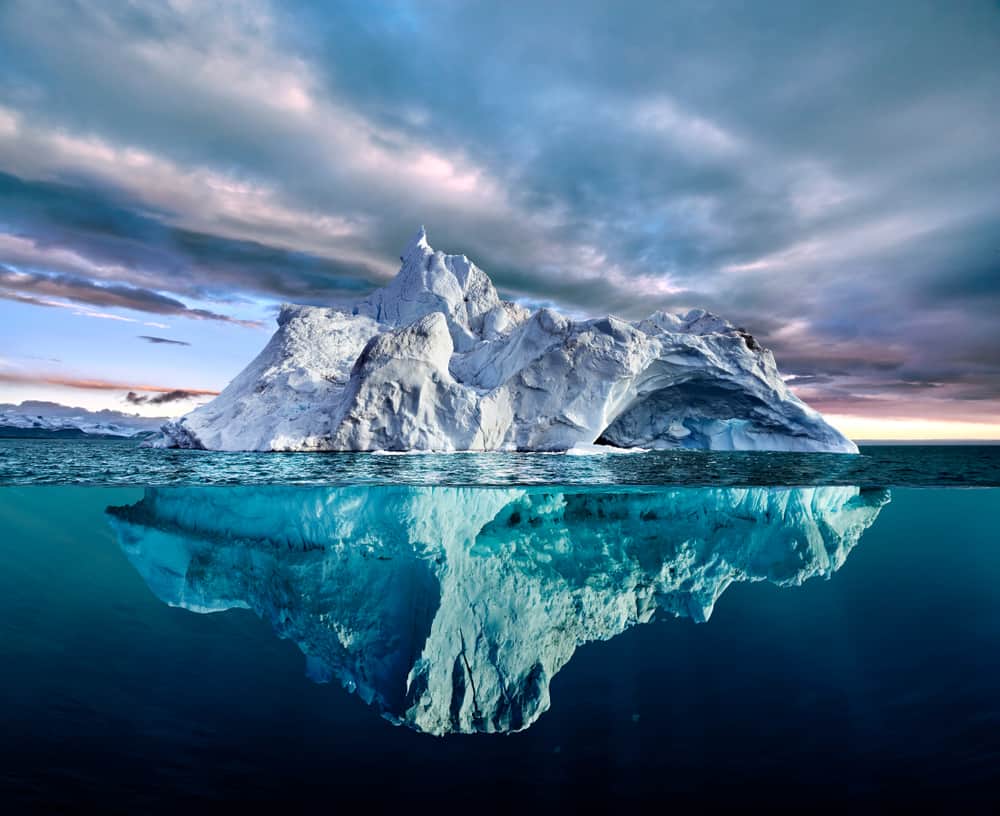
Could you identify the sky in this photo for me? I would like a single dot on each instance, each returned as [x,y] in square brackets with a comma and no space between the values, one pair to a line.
[825,175]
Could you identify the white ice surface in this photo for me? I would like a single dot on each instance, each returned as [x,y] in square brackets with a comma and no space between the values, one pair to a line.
[437,361]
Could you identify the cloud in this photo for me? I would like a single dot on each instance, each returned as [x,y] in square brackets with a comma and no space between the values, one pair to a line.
[91,232]
[25,287]
[95,384]
[162,340]
[778,167]
[159,399]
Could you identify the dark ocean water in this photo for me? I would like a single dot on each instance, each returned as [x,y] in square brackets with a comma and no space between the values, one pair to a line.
[626,641]
[115,463]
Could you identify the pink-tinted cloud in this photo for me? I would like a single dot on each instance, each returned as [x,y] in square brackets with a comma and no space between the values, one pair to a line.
[96,384]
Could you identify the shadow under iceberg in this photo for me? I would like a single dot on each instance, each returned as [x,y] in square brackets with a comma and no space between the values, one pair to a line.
[450,609]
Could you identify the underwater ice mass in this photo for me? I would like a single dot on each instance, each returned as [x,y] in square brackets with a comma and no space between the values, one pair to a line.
[450,609]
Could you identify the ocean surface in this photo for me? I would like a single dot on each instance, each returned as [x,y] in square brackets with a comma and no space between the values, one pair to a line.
[491,632]
[125,462]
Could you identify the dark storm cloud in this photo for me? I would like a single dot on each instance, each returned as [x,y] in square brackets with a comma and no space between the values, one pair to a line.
[162,340]
[111,230]
[826,176]
[33,287]
[160,399]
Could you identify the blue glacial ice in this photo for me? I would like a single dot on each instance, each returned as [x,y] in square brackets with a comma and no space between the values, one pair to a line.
[451,609]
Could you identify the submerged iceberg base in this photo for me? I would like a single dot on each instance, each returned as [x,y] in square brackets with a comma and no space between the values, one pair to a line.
[451,609]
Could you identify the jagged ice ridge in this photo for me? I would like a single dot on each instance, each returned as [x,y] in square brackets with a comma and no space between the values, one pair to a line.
[435,360]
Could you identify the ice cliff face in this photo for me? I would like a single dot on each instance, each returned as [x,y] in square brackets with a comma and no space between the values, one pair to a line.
[436,360]
[451,609]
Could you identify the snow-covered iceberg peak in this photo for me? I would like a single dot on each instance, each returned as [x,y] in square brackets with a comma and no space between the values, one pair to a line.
[436,360]
[430,281]
[451,609]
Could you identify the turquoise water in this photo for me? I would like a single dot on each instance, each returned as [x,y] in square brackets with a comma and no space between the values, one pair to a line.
[518,645]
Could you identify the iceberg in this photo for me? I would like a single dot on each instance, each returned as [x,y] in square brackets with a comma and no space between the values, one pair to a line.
[450,609]
[436,360]
[39,418]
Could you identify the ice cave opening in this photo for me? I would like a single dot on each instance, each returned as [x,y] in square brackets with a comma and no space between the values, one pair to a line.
[693,413]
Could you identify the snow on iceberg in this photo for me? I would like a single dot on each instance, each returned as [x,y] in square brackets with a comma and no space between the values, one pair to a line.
[42,418]
[451,609]
[437,361]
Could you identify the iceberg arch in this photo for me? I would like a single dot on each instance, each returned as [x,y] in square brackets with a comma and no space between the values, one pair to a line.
[436,360]
[701,413]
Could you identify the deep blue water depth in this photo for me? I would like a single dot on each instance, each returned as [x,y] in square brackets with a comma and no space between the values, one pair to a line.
[800,648]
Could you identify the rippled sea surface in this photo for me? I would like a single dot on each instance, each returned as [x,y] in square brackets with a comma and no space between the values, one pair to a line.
[200,631]
[109,462]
